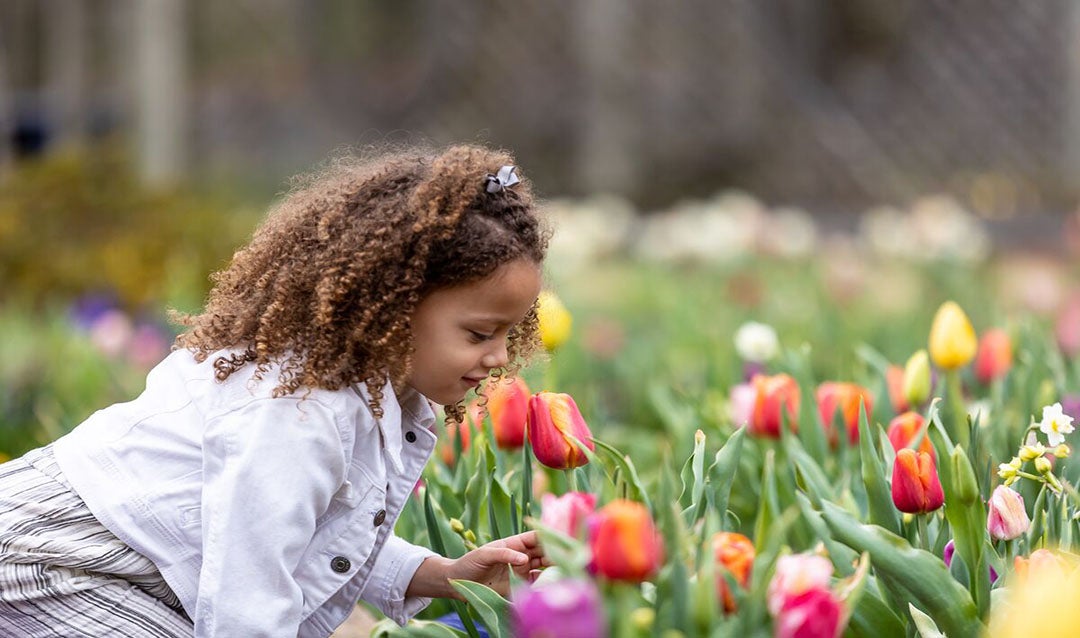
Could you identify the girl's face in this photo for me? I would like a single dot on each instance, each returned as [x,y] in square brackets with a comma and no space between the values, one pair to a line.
[460,333]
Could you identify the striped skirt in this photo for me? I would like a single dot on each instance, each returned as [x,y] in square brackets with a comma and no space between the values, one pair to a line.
[63,575]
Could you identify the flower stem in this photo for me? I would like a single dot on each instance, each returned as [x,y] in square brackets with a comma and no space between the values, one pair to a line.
[924,530]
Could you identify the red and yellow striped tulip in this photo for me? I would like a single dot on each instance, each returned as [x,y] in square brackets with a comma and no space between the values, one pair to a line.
[552,420]
[904,428]
[916,488]
[624,542]
[773,394]
[735,553]
[845,397]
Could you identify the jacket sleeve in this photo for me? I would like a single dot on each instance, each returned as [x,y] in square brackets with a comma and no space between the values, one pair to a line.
[269,470]
[391,574]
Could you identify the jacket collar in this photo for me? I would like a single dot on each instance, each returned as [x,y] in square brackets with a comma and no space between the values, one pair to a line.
[411,405]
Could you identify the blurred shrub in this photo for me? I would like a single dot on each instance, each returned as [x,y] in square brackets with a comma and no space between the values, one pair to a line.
[79,222]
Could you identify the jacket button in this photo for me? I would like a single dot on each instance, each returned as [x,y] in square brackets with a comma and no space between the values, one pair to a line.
[410,436]
[379,518]
[340,564]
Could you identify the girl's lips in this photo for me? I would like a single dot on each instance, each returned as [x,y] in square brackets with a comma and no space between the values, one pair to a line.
[472,380]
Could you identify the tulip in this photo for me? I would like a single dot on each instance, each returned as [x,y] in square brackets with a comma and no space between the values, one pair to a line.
[1041,599]
[552,419]
[950,550]
[952,339]
[994,357]
[814,614]
[916,488]
[741,402]
[904,428]
[508,405]
[1067,329]
[447,447]
[566,608]
[894,382]
[624,542]
[735,553]
[555,320]
[567,513]
[1007,518]
[773,394]
[795,575]
[845,397]
[917,378]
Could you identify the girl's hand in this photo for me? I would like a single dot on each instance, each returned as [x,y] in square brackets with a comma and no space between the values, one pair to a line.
[487,564]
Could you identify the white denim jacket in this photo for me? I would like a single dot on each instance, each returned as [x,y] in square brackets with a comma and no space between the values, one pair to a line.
[267,516]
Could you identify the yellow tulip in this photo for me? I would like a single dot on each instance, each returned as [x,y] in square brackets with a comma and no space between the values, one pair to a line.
[555,321]
[952,339]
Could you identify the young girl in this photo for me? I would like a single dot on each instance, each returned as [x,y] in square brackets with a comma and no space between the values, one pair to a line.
[252,489]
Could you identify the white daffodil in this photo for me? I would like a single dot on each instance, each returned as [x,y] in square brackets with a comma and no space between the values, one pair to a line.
[756,342]
[1055,424]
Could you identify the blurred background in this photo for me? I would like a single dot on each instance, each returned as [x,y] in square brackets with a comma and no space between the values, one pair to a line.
[834,168]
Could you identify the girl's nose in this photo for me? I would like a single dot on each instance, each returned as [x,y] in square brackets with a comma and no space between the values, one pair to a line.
[497,357]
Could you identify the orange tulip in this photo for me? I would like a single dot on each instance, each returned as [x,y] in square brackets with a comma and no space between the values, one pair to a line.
[894,381]
[735,553]
[833,396]
[994,357]
[552,419]
[624,542]
[904,428]
[774,393]
[508,405]
[916,488]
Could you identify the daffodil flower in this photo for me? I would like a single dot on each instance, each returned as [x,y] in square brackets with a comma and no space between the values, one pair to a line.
[1055,424]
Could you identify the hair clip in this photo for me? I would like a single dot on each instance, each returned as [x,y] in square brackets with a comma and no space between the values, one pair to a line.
[505,177]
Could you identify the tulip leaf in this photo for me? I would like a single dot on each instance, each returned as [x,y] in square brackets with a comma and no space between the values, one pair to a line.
[811,429]
[435,533]
[693,477]
[500,510]
[387,628]
[842,556]
[624,464]
[768,503]
[526,479]
[921,573]
[878,495]
[492,608]
[925,625]
[872,618]
[723,469]
[811,478]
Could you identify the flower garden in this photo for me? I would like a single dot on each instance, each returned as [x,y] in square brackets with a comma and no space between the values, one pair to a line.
[855,438]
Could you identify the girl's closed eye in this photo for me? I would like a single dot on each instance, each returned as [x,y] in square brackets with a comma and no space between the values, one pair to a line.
[478,337]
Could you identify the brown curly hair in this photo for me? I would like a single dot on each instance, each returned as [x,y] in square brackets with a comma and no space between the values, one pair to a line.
[328,284]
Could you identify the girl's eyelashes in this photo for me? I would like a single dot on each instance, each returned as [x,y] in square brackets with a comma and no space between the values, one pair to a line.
[477,337]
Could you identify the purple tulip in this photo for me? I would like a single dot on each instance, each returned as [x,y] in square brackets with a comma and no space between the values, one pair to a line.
[947,555]
[564,608]
[88,309]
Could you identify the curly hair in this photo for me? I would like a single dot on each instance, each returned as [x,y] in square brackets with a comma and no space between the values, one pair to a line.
[328,283]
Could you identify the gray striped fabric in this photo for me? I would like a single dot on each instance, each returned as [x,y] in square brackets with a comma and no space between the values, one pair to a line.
[62,574]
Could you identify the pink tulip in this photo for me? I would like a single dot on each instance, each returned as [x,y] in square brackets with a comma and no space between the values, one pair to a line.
[567,513]
[795,575]
[1007,519]
[812,614]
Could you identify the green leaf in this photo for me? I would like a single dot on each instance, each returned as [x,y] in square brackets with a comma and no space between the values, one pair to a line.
[626,466]
[878,494]
[924,624]
[723,469]
[921,573]
[387,628]
[769,503]
[492,608]
[872,618]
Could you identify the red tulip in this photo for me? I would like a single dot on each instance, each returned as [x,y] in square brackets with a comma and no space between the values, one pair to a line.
[904,428]
[894,380]
[735,553]
[994,357]
[774,393]
[916,488]
[624,542]
[508,405]
[552,420]
[833,396]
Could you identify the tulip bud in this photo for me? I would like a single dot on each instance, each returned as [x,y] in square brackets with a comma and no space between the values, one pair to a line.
[904,428]
[917,378]
[508,405]
[845,397]
[915,485]
[552,420]
[735,553]
[894,384]
[567,513]
[774,394]
[559,608]
[952,339]
[555,320]
[994,357]
[624,542]
[1007,519]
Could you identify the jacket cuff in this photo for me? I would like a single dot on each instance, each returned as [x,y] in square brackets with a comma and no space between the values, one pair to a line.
[395,566]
